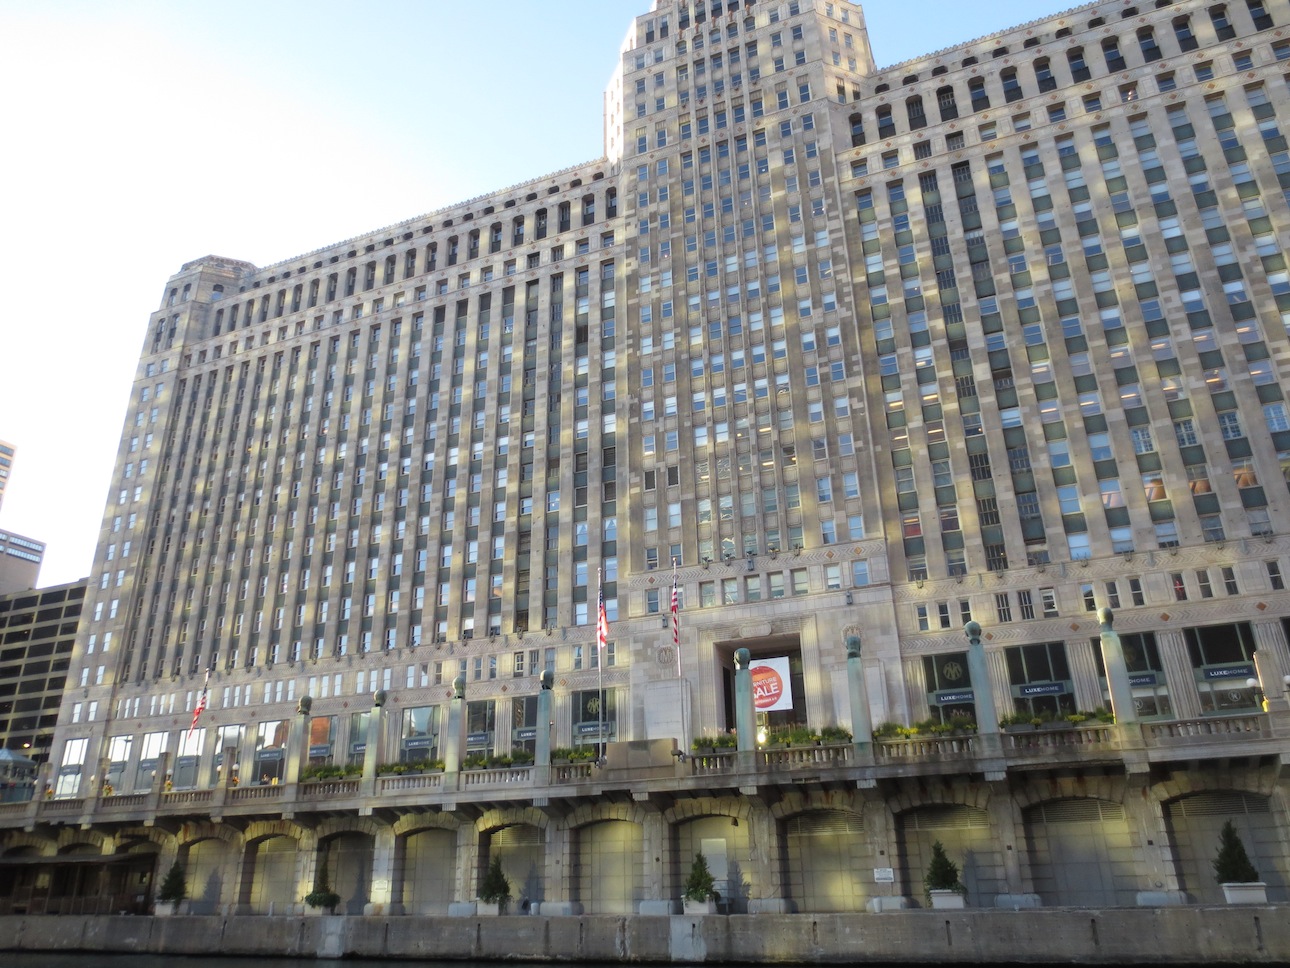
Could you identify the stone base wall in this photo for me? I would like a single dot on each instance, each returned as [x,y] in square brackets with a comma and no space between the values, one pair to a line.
[1191,935]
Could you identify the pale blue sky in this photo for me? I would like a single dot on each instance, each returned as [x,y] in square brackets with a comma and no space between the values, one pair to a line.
[141,134]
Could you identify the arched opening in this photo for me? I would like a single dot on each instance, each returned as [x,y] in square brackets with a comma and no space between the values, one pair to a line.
[609,869]
[829,862]
[1076,848]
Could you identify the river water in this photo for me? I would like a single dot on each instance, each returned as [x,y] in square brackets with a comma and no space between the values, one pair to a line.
[93,960]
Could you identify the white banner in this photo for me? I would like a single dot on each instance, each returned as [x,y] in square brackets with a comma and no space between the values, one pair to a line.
[772,689]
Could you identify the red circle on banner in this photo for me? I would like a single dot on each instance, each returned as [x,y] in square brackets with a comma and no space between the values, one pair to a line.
[768,687]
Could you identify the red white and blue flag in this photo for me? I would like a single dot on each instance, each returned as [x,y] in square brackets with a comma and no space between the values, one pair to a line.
[200,707]
[602,622]
[676,613]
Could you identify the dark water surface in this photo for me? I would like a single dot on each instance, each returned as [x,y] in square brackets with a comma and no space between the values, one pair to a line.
[93,960]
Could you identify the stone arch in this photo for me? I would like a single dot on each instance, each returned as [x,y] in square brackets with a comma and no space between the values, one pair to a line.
[829,856]
[1042,790]
[425,846]
[12,841]
[1194,818]
[928,792]
[163,840]
[431,820]
[608,857]
[348,847]
[69,840]
[197,831]
[349,824]
[270,871]
[721,829]
[601,810]
[517,835]
[500,817]
[955,814]
[797,801]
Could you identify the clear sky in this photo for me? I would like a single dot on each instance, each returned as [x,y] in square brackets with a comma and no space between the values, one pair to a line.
[140,134]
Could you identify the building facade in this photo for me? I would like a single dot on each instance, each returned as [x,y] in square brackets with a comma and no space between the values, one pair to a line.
[7,452]
[997,334]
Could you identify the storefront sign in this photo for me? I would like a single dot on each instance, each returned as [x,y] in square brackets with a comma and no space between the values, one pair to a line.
[954,696]
[1142,679]
[1044,689]
[1243,671]
[770,683]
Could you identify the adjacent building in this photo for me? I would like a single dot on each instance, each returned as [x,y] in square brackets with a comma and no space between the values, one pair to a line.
[7,451]
[37,631]
[824,354]
[20,560]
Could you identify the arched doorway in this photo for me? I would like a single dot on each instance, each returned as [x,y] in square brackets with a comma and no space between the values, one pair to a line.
[966,836]
[1194,823]
[1077,848]
[830,863]
[429,860]
[610,870]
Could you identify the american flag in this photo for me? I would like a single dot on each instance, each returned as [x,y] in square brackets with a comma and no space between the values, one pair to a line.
[676,613]
[602,623]
[201,705]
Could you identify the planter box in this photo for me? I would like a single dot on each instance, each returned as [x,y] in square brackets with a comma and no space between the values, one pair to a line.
[1019,728]
[947,900]
[693,908]
[1253,892]
[489,909]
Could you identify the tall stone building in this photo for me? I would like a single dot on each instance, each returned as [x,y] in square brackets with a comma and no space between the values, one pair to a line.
[998,334]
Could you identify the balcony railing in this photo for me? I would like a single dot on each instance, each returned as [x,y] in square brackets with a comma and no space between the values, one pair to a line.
[1199,738]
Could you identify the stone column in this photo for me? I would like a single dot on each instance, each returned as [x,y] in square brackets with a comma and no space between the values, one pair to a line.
[880,831]
[997,669]
[1154,851]
[298,740]
[246,759]
[1085,681]
[453,745]
[656,849]
[1117,672]
[467,872]
[1178,673]
[206,760]
[764,854]
[1270,638]
[861,717]
[987,713]
[745,717]
[557,881]
[385,897]
[916,688]
[375,734]
[308,851]
[542,742]
[1006,819]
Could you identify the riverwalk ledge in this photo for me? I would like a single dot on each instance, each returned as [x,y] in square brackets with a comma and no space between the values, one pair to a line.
[1166,935]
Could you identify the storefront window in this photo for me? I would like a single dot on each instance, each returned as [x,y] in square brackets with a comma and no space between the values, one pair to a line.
[1040,680]
[949,686]
[420,738]
[1222,660]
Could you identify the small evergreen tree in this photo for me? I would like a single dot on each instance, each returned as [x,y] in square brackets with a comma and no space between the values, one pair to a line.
[322,896]
[700,885]
[942,873]
[173,887]
[1232,864]
[495,888]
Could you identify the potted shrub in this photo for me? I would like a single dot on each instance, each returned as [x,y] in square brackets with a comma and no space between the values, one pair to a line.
[703,744]
[699,895]
[476,761]
[1235,872]
[725,741]
[494,890]
[963,723]
[322,896]
[172,891]
[561,755]
[886,731]
[941,882]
